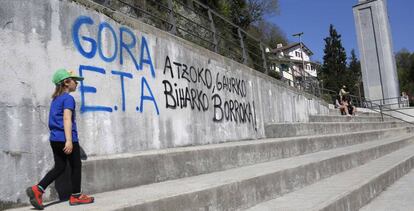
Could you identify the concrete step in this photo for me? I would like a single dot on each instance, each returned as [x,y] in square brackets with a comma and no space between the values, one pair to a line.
[352,189]
[397,197]
[245,186]
[280,130]
[336,112]
[341,118]
[161,165]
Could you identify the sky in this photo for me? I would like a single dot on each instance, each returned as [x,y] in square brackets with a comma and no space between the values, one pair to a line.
[314,16]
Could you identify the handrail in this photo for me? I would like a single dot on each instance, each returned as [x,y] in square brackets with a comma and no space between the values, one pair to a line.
[400,101]
[381,108]
[390,98]
[200,14]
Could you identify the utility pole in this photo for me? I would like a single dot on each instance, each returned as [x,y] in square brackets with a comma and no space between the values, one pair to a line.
[301,55]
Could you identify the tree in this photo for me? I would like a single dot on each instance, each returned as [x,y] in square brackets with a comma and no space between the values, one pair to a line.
[249,16]
[213,4]
[259,8]
[269,33]
[244,13]
[333,71]
[405,67]
[354,76]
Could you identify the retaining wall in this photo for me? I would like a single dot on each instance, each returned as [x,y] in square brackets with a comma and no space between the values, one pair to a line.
[143,89]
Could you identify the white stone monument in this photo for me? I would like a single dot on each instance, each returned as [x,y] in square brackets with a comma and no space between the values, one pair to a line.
[379,72]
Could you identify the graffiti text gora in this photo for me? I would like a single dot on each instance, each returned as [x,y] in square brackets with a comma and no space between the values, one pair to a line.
[126,43]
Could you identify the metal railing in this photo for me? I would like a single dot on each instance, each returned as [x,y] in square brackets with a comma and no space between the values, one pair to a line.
[331,97]
[393,102]
[380,108]
[197,23]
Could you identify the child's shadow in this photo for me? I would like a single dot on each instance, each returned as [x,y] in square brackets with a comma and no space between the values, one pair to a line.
[54,202]
[50,204]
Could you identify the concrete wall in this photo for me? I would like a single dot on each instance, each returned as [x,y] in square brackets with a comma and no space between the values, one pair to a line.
[143,89]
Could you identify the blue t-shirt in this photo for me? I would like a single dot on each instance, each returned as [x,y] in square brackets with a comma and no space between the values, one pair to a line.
[61,102]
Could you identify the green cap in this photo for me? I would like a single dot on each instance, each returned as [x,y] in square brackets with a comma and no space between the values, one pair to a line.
[62,74]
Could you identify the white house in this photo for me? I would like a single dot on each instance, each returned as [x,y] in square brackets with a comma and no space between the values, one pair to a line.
[288,62]
[294,52]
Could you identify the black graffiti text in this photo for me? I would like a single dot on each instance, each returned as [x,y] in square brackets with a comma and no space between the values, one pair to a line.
[231,84]
[189,73]
[233,111]
[184,97]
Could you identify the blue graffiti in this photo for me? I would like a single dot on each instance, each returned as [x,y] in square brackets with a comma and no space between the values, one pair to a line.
[146,92]
[127,47]
[122,75]
[90,89]
[124,41]
[147,97]
[75,36]
[101,28]
[148,60]
[145,56]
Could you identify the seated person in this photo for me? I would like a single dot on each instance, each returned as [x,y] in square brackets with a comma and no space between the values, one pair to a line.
[350,107]
[343,108]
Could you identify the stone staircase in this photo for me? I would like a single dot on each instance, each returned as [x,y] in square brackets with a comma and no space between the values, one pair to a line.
[330,163]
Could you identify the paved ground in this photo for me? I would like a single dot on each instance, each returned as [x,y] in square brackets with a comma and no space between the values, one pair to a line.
[398,197]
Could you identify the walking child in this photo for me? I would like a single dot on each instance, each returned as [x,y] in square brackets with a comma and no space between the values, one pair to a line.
[63,140]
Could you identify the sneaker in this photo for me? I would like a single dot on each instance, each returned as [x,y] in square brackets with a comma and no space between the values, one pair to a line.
[35,195]
[82,199]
